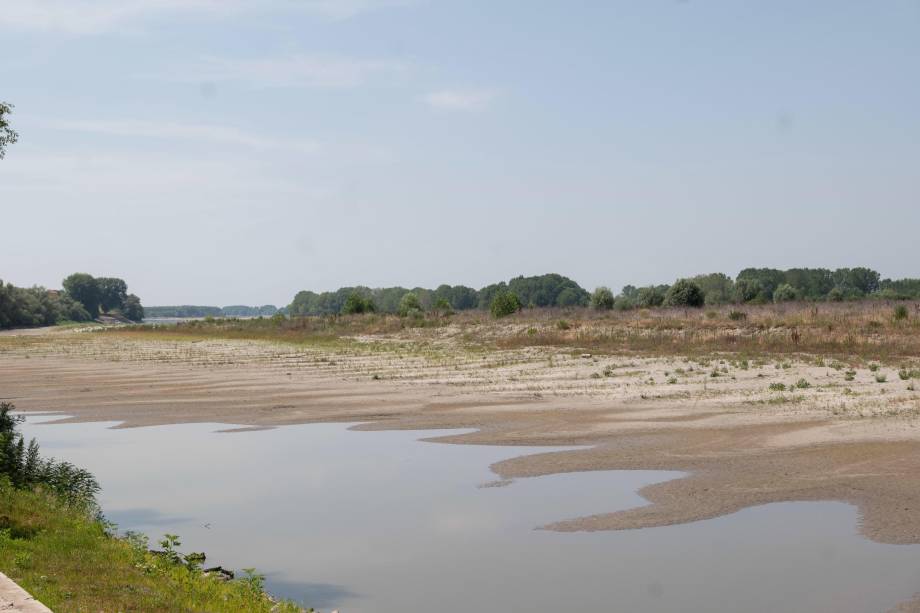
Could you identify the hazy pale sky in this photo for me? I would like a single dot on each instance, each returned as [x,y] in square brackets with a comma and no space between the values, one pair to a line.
[234,151]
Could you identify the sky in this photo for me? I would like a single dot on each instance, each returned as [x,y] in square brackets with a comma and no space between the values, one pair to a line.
[238,151]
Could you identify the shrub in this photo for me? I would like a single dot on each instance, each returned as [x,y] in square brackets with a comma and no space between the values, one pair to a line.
[650,296]
[504,304]
[836,295]
[356,303]
[563,325]
[684,293]
[409,303]
[900,312]
[777,387]
[802,384]
[24,467]
[785,293]
[602,299]
[442,307]
[737,315]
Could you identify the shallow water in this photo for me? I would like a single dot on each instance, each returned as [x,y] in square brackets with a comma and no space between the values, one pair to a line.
[380,522]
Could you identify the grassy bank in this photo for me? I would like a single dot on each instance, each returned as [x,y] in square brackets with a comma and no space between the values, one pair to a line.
[869,330]
[67,560]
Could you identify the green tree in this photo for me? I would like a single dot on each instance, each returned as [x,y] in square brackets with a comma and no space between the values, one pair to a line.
[356,303]
[602,299]
[442,307]
[132,309]
[769,279]
[651,296]
[409,304]
[717,287]
[112,293]
[84,289]
[857,282]
[785,293]
[749,290]
[8,136]
[505,303]
[684,293]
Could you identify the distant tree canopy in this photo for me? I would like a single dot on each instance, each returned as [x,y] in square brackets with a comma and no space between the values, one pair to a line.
[189,310]
[357,303]
[685,293]
[548,290]
[754,285]
[539,291]
[84,289]
[81,300]
[8,136]
[36,306]
[103,294]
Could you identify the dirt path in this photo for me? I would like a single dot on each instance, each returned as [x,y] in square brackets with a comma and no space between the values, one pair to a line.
[15,599]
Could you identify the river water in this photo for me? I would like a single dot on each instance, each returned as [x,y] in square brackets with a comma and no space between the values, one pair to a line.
[382,522]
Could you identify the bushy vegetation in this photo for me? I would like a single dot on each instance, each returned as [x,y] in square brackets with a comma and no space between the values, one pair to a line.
[409,304]
[685,293]
[752,285]
[83,299]
[356,303]
[540,291]
[103,294]
[505,303]
[55,543]
[23,466]
[602,299]
[36,306]
[785,293]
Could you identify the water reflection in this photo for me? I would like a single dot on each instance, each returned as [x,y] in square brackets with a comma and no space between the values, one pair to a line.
[376,521]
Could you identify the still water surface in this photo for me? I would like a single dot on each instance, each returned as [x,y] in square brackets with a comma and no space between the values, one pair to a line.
[381,522]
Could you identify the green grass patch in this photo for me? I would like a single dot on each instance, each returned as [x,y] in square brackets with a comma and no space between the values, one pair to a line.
[68,560]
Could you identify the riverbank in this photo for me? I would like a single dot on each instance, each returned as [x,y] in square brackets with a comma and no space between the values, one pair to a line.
[747,428]
[68,561]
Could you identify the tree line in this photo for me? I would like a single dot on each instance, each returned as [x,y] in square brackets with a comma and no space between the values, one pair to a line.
[538,291]
[752,285]
[189,310]
[83,298]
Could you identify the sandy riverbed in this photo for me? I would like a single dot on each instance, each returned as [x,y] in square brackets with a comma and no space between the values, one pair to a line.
[741,444]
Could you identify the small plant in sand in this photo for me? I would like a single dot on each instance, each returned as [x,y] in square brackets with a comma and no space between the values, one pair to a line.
[874,366]
[777,387]
[802,384]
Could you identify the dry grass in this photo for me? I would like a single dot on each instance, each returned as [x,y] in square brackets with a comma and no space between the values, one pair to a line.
[858,330]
